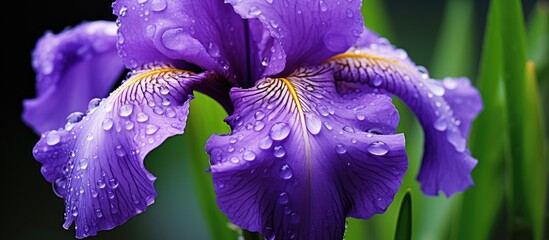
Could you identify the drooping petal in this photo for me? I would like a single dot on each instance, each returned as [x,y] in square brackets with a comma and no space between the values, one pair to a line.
[96,162]
[309,32]
[203,32]
[301,157]
[72,67]
[445,108]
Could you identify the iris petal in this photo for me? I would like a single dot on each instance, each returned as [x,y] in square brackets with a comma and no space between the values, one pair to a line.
[307,32]
[207,33]
[72,67]
[301,157]
[96,162]
[445,108]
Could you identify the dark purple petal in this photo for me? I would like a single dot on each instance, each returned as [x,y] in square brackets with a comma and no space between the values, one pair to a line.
[72,67]
[309,32]
[301,157]
[96,162]
[445,108]
[203,32]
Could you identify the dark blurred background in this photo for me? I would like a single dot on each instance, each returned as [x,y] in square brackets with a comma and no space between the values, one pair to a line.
[31,209]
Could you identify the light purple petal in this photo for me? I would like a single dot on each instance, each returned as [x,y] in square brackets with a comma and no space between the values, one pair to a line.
[72,67]
[203,32]
[96,162]
[445,108]
[301,158]
[309,32]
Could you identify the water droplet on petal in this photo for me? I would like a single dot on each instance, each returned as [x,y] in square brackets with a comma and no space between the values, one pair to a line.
[248,155]
[122,12]
[349,129]
[283,198]
[93,104]
[259,115]
[323,110]
[59,187]
[328,126]
[313,123]
[435,88]
[279,151]
[128,125]
[360,116]
[279,131]
[340,148]
[75,117]
[286,172]
[265,143]
[378,148]
[254,11]
[259,125]
[107,124]
[53,138]
[323,6]
[151,129]
[101,183]
[119,151]
[213,49]
[113,183]
[98,213]
[84,163]
[125,110]
[378,80]
[450,83]
[150,30]
[455,138]
[142,117]
[158,5]
[440,124]
[235,160]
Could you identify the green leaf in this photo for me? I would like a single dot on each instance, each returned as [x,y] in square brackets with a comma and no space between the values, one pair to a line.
[453,54]
[404,223]
[514,74]
[535,156]
[482,202]
[376,18]
[205,118]
[538,37]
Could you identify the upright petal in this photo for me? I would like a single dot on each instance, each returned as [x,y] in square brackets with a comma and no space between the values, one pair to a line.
[203,32]
[72,67]
[445,108]
[301,158]
[96,162]
[309,32]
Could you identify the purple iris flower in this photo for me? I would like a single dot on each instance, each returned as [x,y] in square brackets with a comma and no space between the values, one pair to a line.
[308,90]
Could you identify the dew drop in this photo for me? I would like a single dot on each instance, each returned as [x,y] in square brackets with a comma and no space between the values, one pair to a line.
[450,83]
[248,155]
[84,163]
[340,148]
[151,129]
[150,30]
[213,49]
[360,116]
[283,198]
[279,131]
[265,143]
[279,151]
[435,88]
[454,137]
[128,125]
[158,5]
[254,11]
[378,148]
[53,138]
[123,10]
[119,151]
[440,124]
[328,126]
[93,104]
[170,112]
[107,124]
[59,187]
[101,183]
[259,115]
[349,129]
[125,110]
[113,183]
[323,110]
[259,125]
[313,123]
[234,160]
[142,117]
[323,6]
[378,80]
[286,172]
[75,117]
[98,213]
